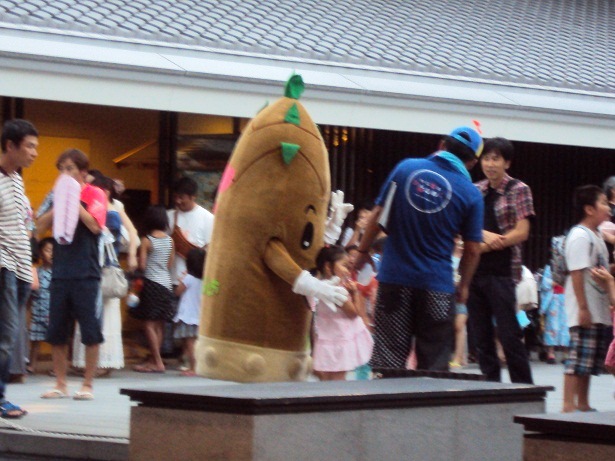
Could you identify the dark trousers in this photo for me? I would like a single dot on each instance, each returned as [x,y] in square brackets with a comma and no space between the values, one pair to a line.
[492,298]
[13,296]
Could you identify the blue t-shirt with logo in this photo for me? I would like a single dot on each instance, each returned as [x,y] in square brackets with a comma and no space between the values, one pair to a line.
[433,202]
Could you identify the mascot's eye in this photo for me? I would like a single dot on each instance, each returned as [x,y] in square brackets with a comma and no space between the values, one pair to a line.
[308,235]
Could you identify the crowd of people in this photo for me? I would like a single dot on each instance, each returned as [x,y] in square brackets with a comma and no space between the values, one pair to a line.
[433,266]
[89,229]
[419,302]
[437,222]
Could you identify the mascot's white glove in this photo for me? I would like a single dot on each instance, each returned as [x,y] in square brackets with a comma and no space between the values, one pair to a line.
[326,290]
[338,210]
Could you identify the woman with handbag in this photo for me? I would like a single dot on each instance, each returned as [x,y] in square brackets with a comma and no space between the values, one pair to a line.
[111,353]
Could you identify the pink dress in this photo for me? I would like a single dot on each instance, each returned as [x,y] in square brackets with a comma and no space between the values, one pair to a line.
[340,343]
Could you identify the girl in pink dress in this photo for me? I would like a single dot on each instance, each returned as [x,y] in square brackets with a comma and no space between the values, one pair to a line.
[342,341]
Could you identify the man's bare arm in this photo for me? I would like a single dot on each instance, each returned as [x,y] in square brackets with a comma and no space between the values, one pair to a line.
[519,234]
[89,221]
[371,232]
[467,268]
[44,223]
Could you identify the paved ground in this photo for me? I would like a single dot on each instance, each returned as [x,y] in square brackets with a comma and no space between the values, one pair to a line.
[108,415]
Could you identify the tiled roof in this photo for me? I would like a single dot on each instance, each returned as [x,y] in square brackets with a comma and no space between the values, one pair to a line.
[548,43]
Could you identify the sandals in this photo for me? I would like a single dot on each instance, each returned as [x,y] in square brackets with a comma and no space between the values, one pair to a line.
[103,373]
[83,395]
[11,411]
[54,394]
[58,394]
[146,369]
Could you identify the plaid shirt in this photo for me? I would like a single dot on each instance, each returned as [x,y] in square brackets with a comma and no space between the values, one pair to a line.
[511,208]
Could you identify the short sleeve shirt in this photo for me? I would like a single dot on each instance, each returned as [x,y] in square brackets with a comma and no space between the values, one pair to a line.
[515,203]
[95,202]
[15,250]
[80,259]
[197,225]
[433,202]
[189,309]
[586,249]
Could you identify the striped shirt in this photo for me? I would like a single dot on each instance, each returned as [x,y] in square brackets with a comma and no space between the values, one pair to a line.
[15,250]
[157,267]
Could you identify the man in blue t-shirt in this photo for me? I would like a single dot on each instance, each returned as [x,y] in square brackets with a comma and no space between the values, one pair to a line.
[422,206]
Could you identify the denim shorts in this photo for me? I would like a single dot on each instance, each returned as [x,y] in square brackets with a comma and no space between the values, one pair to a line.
[74,299]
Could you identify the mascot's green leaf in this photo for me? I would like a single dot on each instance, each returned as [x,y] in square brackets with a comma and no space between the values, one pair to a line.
[289,151]
[292,115]
[211,288]
[294,87]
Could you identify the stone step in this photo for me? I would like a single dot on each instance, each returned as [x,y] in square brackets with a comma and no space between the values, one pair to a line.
[34,445]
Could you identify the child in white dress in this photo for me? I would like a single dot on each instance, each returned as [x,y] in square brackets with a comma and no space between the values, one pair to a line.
[189,309]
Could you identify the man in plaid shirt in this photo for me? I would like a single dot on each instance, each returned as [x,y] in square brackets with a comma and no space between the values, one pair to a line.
[509,209]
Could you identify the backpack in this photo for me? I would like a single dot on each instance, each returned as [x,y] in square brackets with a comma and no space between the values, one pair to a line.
[559,269]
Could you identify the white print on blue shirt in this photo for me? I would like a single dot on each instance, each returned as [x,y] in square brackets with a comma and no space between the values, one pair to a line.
[427,191]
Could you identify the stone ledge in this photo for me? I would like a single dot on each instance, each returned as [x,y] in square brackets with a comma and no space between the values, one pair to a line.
[280,398]
[42,445]
[587,426]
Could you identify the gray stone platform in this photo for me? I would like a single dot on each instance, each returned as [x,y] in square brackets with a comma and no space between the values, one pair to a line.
[107,418]
[568,436]
[387,419]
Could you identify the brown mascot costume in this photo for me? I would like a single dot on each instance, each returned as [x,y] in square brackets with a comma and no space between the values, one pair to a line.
[270,221]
